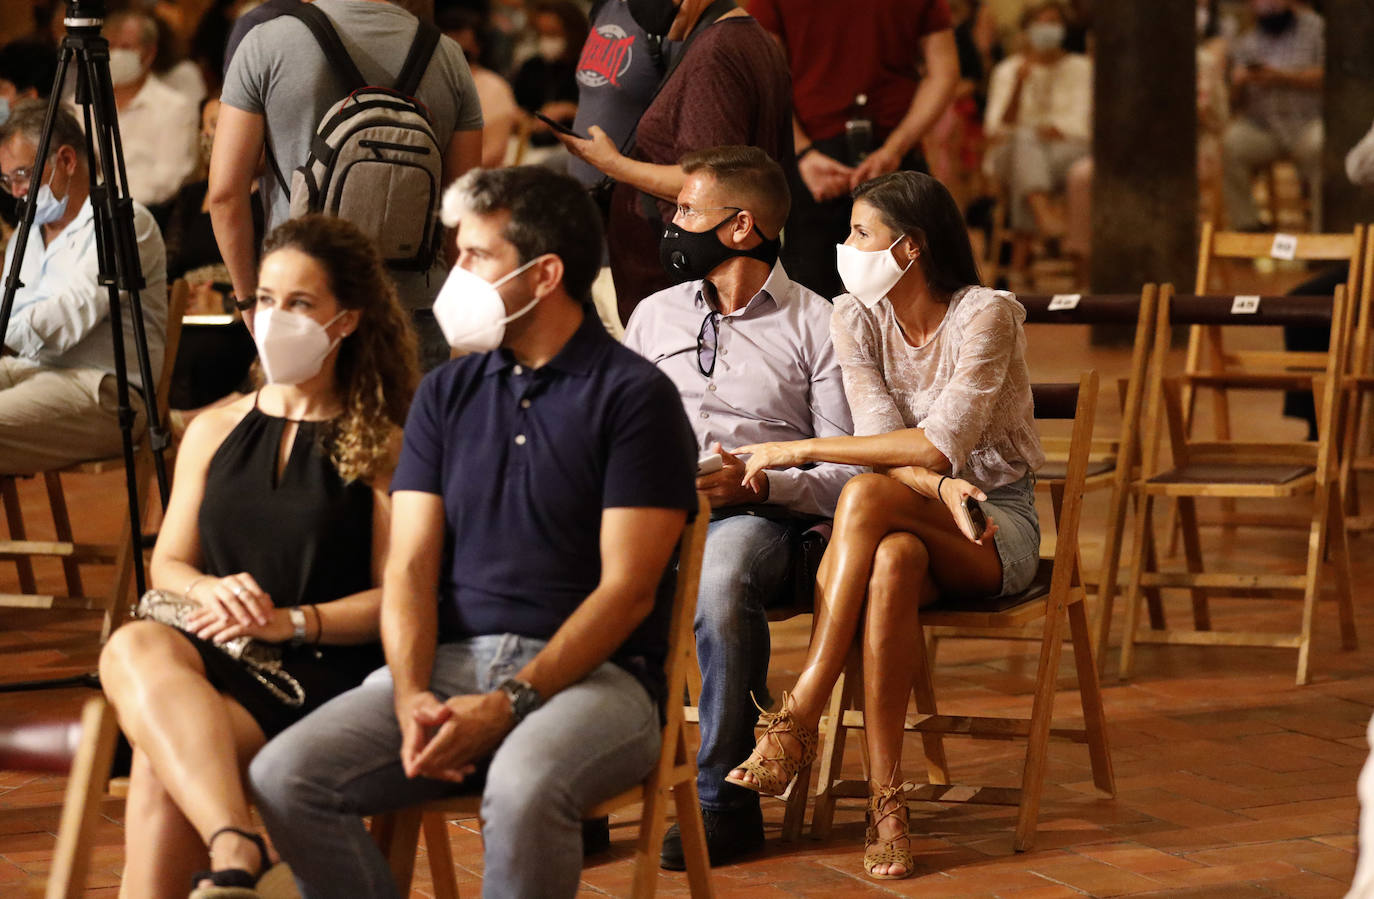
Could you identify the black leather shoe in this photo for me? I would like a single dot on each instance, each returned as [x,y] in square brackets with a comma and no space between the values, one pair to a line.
[596,836]
[730,835]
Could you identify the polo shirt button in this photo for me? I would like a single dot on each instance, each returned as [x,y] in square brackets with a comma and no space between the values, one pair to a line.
[711,387]
[723,352]
[524,404]
[705,415]
[519,369]
[519,439]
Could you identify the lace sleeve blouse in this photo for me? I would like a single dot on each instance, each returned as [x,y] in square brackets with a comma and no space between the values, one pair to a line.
[967,387]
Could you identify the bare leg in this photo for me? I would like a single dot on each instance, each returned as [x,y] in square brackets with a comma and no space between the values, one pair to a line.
[899,586]
[195,740]
[161,848]
[871,507]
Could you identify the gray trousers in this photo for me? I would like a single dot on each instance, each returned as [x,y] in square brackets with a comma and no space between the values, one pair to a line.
[589,742]
[55,417]
[1027,164]
[1246,146]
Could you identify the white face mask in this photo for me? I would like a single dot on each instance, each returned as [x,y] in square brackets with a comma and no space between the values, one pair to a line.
[1045,36]
[292,347]
[46,207]
[471,313]
[868,274]
[125,66]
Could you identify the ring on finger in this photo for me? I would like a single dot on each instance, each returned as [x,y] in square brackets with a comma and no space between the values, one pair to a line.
[238,590]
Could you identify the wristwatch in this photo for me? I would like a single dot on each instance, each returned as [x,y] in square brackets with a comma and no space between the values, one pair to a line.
[297,616]
[523,698]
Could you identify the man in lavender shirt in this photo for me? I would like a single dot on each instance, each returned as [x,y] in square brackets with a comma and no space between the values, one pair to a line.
[749,350]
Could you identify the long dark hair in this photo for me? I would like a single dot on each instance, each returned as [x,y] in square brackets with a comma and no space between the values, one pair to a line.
[918,206]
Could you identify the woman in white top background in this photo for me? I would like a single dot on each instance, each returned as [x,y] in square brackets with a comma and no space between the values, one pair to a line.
[935,373]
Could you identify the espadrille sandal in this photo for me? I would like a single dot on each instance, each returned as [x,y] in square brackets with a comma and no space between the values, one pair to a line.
[880,850]
[773,772]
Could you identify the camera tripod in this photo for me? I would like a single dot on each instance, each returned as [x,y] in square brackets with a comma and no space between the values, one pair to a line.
[119,268]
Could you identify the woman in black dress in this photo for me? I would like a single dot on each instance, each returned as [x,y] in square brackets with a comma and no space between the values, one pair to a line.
[276,529]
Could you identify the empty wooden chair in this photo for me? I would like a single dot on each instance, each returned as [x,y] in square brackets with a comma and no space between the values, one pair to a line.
[1234,469]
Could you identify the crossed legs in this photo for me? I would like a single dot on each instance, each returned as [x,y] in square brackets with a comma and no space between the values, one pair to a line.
[892,552]
[191,747]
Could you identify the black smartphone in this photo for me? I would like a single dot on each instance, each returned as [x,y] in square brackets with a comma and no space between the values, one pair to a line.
[559,127]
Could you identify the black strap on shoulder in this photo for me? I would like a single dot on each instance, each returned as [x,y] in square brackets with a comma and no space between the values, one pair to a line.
[417,60]
[329,42]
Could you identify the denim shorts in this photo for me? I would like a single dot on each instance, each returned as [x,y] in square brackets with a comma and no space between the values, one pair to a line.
[1012,508]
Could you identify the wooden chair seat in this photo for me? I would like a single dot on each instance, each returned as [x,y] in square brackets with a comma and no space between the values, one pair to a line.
[1057,469]
[1204,473]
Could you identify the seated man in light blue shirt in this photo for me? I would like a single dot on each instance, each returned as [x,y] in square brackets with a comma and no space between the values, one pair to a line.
[57,385]
[749,351]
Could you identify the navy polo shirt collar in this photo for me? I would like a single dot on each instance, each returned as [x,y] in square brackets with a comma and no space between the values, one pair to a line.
[581,355]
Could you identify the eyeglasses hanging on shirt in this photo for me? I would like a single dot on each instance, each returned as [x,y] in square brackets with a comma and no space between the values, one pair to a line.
[708,338]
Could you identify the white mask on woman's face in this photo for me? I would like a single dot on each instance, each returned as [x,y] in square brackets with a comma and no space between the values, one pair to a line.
[471,313]
[292,347]
[869,274]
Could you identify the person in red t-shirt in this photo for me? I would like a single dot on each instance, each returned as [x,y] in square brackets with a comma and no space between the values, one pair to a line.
[865,90]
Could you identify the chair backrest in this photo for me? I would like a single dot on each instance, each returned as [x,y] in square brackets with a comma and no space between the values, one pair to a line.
[1311,247]
[84,752]
[682,646]
[1081,309]
[177,298]
[1218,312]
[1079,403]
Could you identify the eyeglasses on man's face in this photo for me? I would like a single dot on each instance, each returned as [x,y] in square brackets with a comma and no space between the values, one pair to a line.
[693,213]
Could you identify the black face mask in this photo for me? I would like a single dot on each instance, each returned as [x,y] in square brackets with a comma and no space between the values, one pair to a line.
[692,255]
[654,16]
[1276,23]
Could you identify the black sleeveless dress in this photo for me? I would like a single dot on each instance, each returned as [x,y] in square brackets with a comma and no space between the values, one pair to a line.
[305,537]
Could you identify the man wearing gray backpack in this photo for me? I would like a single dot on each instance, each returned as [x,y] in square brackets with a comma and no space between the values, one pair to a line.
[360,111]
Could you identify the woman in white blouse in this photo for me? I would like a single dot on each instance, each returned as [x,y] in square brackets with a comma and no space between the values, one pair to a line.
[935,373]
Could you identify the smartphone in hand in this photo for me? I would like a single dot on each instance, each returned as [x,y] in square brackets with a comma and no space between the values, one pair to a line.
[559,127]
[970,518]
[709,463]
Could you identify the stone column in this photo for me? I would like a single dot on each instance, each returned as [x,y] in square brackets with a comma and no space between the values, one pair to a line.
[1347,109]
[1144,145]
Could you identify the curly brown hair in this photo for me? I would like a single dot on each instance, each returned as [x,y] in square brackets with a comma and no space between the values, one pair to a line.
[377,369]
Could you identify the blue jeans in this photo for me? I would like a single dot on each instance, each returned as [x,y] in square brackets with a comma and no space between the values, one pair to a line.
[589,742]
[746,563]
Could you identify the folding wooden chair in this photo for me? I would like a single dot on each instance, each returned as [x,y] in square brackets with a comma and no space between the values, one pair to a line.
[1355,454]
[1113,459]
[1054,595]
[1232,469]
[673,778]
[81,750]
[72,554]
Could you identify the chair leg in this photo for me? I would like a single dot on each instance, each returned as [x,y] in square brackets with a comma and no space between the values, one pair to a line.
[693,839]
[441,873]
[1339,541]
[1154,600]
[1192,551]
[794,807]
[62,523]
[14,515]
[1090,695]
[1037,742]
[842,697]
[1312,582]
[81,804]
[397,834]
[1142,528]
[923,689]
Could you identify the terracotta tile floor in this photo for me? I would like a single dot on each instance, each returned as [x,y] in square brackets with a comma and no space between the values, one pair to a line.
[1231,781]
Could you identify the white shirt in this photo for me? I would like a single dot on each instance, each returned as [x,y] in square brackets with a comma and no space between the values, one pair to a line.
[160,130]
[1060,94]
[775,377]
[61,316]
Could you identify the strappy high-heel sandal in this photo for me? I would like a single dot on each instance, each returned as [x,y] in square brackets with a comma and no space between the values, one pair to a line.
[879,850]
[772,773]
[271,881]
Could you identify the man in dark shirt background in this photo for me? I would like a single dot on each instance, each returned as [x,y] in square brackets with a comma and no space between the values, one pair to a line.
[538,498]
[729,88]
[865,90]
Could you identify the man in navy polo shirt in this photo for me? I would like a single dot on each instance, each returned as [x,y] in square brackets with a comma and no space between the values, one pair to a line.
[539,495]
